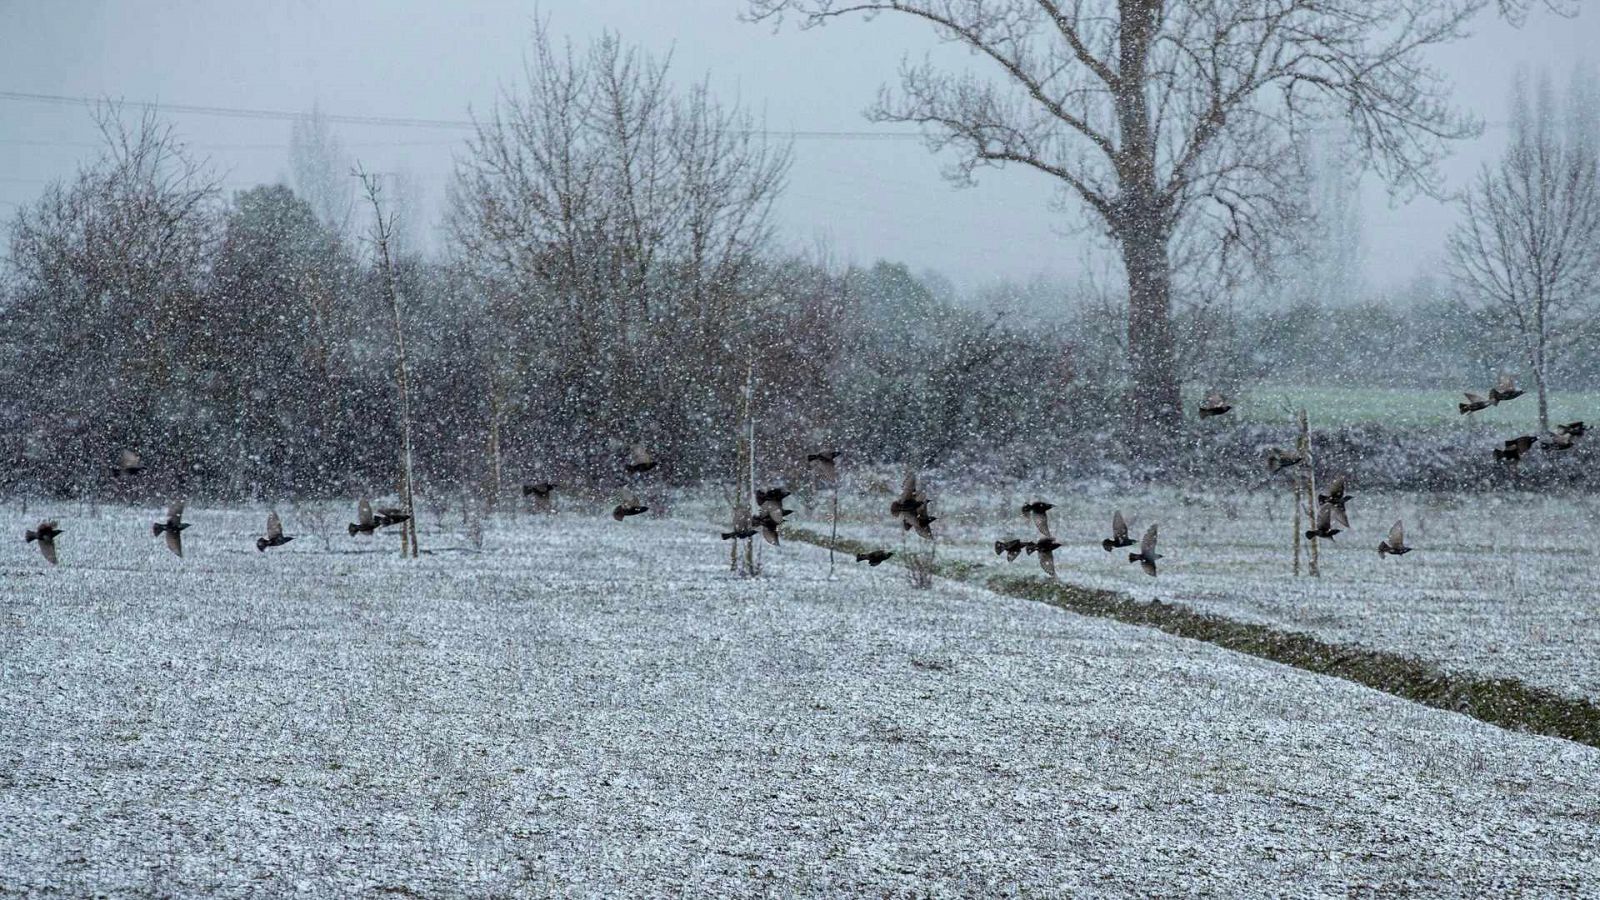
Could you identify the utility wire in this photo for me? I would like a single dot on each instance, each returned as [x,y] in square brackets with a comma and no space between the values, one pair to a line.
[240,112]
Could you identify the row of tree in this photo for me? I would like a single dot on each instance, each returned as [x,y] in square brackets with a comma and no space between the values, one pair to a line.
[613,280]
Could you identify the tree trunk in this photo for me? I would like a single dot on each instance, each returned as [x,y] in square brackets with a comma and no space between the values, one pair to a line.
[1154,402]
[1539,385]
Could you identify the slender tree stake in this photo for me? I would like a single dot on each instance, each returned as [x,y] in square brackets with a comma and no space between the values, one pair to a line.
[1310,465]
[833,532]
[382,231]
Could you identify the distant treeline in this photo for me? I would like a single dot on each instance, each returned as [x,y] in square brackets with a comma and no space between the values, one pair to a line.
[610,279]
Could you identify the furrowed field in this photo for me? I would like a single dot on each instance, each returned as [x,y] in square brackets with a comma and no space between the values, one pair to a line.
[582,705]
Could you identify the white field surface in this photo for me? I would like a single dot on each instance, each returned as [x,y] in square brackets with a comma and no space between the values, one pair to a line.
[592,708]
[1500,584]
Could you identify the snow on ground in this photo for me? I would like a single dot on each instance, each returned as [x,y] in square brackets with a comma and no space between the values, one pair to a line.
[1501,584]
[593,708]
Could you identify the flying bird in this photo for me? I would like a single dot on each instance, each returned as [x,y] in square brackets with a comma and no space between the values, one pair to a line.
[1505,390]
[1046,547]
[919,521]
[1279,459]
[874,558]
[1336,498]
[1011,547]
[1576,429]
[1147,555]
[1475,402]
[639,460]
[1324,524]
[128,465]
[630,506]
[275,536]
[771,495]
[1119,533]
[1395,543]
[1214,405]
[45,534]
[910,499]
[541,495]
[390,515]
[173,528]
[826,462]
[1511,451]
[365,523]
[1038,512]
[768,521]
[1559,440]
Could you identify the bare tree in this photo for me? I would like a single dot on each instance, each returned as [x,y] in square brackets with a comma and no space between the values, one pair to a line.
[1527,250]
[110,265]
[1161,117]
[622,221]
[382,233]
[317,163]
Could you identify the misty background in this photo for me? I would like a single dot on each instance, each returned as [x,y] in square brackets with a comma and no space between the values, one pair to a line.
[862,191]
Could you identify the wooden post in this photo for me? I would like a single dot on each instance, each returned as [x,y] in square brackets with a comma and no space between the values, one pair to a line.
[1308,463]
[833,530]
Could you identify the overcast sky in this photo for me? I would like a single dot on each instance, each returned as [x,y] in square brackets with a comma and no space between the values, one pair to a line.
[865,199]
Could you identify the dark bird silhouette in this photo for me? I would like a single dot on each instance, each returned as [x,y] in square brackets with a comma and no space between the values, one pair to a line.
[1323,523]
[920,521]
[275,536]
[1011,547]
[1147,555]
[874,558]
[639,460]
[1511,451]
[768,521]
[128,465]
[741,526]
[771,495]
[1046,548]
[1505,390]
[910,499]
[1279,459]
[1474,403]
[1559,440]
[45,535]
[390,515]
[173,528]
[1038,512]
[1336,498]
[1395,543]
[541,495]
[1214,405]
[826,462]
[630,506]
[1119,533]
[1575,429]
[365,523]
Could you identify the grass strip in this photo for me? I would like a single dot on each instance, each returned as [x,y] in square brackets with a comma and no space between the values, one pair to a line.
[1507,702]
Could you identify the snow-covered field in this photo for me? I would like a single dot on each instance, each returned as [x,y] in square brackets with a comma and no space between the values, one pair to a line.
[1500,584]
[600,709]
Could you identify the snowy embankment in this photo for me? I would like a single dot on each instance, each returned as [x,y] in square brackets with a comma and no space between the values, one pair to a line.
[594,708]
[1499,585]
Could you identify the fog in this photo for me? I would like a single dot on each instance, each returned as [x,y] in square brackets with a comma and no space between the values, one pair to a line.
[871,192]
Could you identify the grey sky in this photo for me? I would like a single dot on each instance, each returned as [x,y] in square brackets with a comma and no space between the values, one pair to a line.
[864,198]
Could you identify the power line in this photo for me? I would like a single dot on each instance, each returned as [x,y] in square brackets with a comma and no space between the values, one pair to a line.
[240,112]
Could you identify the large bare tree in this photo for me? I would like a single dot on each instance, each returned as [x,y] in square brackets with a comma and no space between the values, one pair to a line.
[1527,250]
[611,217]
[1174,122]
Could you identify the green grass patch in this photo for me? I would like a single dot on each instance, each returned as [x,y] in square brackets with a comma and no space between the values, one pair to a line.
[1332,407]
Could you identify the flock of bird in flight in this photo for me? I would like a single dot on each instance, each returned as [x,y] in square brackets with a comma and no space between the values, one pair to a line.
[911,508]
